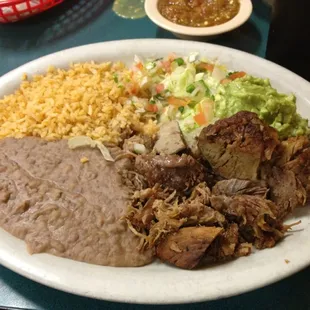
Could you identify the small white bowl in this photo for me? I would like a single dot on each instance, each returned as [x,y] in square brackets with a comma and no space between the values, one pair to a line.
[196,33]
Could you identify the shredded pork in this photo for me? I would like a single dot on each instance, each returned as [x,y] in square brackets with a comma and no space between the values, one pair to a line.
[221,205]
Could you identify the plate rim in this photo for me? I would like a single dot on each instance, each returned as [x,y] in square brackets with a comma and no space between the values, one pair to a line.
[116,298]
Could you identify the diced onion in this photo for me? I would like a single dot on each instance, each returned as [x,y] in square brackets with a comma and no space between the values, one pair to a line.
[104,151]
[141,110]
[81,141]
[139,148]
[150,65]
[137,59]
[199,76]
[218,74]
[144,81]
[193,57]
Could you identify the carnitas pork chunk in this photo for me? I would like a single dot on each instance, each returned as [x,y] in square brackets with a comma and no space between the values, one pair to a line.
[160,212]
[196,208]
[300,166]
[289,149]
[236,146]
[255,216]
[286,191]
[227,245]
[170,139]
[186,247]
[288,174]
[235,187]
[171,171]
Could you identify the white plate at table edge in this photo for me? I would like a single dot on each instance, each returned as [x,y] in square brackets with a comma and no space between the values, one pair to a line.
[159,283]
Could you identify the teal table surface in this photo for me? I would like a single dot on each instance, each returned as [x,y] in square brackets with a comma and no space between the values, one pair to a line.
[79,22]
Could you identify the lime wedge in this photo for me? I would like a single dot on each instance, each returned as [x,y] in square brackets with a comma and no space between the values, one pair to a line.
[132,9]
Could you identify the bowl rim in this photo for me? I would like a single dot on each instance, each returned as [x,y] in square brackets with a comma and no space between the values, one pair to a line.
[245,11]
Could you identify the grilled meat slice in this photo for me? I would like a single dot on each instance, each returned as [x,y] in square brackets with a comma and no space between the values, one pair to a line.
[236,146]
[235,187]
[186,247]
[172,171]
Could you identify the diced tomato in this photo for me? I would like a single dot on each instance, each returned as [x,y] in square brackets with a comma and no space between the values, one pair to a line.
[233,76]
[225,81]
[159,88]
[166,66]
[177,101]
[139,65]
[205,66]
[205,113]
[172,57]
[200,119]
[133,88]
[151,108]
[208,106]
[237,75]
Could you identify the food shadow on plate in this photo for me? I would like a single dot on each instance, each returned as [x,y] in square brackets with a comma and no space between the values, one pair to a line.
[52,25]
[206,263]
[246,38]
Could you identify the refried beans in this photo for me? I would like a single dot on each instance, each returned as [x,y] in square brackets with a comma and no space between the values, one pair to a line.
[61,206]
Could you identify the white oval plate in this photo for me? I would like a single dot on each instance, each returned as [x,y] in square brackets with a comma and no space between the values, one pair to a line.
[159,283]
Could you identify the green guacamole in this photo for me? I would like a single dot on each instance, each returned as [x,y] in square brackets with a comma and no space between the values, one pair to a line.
[257,95]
